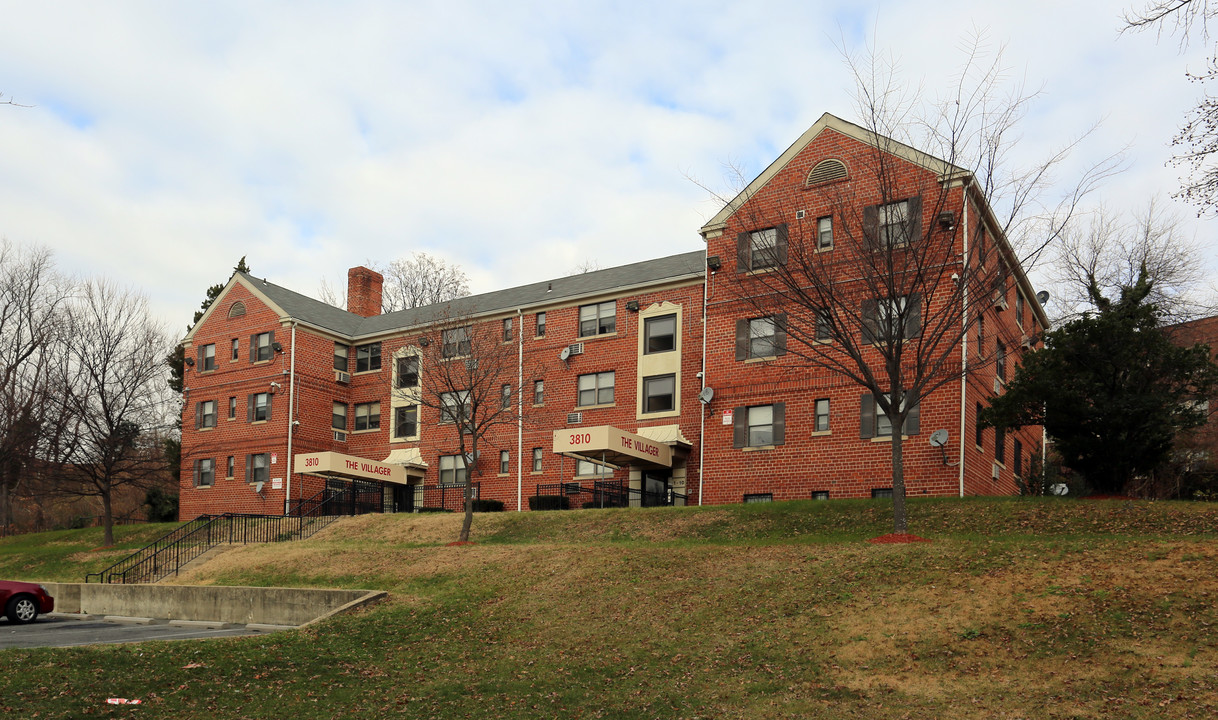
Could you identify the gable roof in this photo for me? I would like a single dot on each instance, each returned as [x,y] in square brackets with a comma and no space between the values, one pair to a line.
[831,122]
[295,306]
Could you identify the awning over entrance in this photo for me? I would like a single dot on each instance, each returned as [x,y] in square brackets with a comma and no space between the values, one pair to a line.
[605,443]
[410,458]
[349,466]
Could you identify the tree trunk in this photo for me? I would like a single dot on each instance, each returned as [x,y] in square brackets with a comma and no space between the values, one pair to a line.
[5,509]
[468,520]
[107,519]
[899,521]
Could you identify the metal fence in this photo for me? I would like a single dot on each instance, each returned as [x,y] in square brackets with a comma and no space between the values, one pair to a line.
[606,494]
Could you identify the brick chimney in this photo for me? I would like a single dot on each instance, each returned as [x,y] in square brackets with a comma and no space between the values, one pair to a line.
[364,291]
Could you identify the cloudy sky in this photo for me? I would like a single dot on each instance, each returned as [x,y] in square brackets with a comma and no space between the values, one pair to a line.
[159,141]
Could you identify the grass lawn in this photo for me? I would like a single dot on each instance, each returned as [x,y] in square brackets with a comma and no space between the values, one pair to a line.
[1019,608]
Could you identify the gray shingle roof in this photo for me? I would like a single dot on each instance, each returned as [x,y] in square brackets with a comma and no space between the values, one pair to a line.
[547,292]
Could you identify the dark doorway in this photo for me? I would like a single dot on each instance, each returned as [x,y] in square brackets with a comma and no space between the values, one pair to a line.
[655,487]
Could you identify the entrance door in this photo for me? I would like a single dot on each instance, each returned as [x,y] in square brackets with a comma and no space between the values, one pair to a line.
[403,498]
[655,487]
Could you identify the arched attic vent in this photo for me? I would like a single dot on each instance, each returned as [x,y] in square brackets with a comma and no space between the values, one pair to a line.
[237,309]
[826,171]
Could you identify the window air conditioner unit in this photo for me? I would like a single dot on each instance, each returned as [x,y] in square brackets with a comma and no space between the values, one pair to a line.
[576,348]
[340,436]
[342,377]
[1000,301]
[994,472]
[575,418]
[1026,343]
[997,386]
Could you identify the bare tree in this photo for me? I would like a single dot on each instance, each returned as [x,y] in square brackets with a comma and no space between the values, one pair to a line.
[907,279]
[1108,253]
[414,281]
[117,396]
[1197,139]
[468,371]
[32,347]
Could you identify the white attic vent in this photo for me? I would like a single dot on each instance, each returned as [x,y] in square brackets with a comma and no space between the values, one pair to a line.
[826,171]
[799,214]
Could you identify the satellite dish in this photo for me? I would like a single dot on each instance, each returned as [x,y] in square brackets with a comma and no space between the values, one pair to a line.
[1042,297]
[258,487]
[706,395]
[564,354]
[938,438]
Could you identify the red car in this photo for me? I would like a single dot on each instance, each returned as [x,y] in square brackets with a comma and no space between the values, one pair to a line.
[23,601]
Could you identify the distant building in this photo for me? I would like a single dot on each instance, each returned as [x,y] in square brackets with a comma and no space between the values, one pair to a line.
[289,399]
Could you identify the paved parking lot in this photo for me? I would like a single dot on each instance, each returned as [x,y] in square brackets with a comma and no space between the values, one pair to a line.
[59,630]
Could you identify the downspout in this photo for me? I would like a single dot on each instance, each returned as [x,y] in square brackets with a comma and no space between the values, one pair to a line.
[520,408]
[706,277]
[964,275]
[287,495]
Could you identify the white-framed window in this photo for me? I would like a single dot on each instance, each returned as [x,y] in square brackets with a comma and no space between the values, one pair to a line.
[229,468]
[236,346]
[824,233]
[205,472]
[1019,305]
[1000,360]
[659,393]
[407,371]
[367,416]
[232,407]
[452,470]
[824,326]
[595,389]
[598,319]
[507,329]
[406,421]
[342,357]
[207,357]
[338,416]
[205,414]
[504,462]
[367,357]
[259,407]
[536,459]
[505,396]
[891,319]
[454,406]
[587,468]
[659,334]
[822,415]
[260,347]
[763,248]
[763,337]
[875,423]
[541,324]
[455,342]
[257,467]
[761,425]
[539,392]
[894,224]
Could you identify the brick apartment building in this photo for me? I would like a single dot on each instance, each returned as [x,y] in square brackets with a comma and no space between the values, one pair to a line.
[664,378]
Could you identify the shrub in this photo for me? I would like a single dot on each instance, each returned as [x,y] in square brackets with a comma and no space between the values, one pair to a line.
[481,505]
[549,502]
[433,509]
[162,507]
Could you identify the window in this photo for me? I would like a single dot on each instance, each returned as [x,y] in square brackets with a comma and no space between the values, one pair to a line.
[504,462]
[539,392]
[205,414]
[981,336]
[587,468]
[979,432]
[894,224]
[257,467]
[595,389]
[205,472]
[536,459]
[406,421]
[824,326]
[1019,308]
[1000,367]
[505,395]
[454,406]
[230,467]
[232,408]
[659,393]
[367,416]
[761,249]
[1017,457]
[873,422]
[207,358]
[761,337]
[759,498]
[452,470]
[260,346]
[541,324]
[1000,445]
[659,334]
[259,407]
[367,357]
[759,426]
[507,329]
[598,319]
[824,233]
[455,342]
[822,415]
[877,493]
[342,357]
[338,416]
[408,371]
[820,494]
[891,319]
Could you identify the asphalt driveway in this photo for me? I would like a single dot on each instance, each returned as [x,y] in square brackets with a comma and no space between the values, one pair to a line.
[60,630]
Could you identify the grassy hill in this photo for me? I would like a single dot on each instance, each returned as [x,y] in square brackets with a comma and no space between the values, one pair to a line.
[1018,608]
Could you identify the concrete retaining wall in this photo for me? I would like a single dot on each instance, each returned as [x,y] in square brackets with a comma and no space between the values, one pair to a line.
[271,606]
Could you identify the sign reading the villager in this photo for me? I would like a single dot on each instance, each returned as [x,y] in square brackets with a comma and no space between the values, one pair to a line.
[349,466]
[606,443]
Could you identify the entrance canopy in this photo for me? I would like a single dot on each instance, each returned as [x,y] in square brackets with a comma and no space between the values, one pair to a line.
[605,443]
[349,466]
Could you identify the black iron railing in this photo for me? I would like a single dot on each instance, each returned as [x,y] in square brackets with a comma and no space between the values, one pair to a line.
[168,554]
[607,494]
